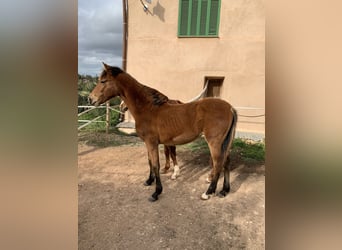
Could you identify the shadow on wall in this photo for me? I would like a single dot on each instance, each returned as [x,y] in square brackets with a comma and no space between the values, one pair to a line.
[159,11]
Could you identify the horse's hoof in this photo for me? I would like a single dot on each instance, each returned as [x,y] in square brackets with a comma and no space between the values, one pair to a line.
[222,194]
[176,172]
[147,183]
[152,199]
[204,196]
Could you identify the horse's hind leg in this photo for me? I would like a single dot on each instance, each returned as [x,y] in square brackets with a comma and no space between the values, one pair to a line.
[210,175]
[226,185]
[167,158]
[176,170]
[217,158]
[173,155]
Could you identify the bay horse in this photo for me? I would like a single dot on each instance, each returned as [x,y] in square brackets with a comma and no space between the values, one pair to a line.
[168,149]
[158,122]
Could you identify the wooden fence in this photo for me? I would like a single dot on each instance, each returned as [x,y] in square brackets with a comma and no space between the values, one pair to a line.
[96,119]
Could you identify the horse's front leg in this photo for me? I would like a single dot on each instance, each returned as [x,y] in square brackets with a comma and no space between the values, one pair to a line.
[154,159]
[150,179]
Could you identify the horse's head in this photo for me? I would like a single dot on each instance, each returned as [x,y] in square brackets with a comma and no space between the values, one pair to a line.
[107,86]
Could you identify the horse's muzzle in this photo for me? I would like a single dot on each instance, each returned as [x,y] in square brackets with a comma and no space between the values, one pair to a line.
[92,99]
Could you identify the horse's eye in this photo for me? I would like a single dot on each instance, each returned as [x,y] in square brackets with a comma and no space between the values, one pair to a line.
[103,81]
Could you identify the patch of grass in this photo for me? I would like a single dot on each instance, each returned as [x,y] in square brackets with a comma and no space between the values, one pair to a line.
[113,139]
[243,151]
[248,152]
[197,145]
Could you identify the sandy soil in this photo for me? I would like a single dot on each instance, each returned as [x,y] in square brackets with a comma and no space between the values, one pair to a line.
[114,211]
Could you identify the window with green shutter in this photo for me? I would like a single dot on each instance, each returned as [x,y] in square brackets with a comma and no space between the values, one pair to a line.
[198,18]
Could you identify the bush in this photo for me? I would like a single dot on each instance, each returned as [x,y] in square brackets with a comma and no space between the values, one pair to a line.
[85,86]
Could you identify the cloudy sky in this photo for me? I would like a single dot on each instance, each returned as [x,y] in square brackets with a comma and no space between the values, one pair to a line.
[99,35]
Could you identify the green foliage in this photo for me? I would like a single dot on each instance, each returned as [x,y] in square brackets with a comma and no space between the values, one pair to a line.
[86,83]
[249,152]
[198,145]
[244,151]
[84,86]
[99,126]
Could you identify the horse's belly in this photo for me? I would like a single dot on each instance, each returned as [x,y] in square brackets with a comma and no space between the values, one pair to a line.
[180,139]
[178,128]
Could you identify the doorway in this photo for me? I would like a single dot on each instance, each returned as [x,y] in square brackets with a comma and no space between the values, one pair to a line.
[214,86]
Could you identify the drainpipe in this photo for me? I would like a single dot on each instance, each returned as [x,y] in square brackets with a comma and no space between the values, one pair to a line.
[125,33]
[127,117]
[124,54]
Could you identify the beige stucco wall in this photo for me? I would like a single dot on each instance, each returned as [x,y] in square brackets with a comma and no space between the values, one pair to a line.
[177,66]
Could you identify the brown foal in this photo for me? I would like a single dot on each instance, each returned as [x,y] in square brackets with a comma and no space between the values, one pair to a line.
[158,122]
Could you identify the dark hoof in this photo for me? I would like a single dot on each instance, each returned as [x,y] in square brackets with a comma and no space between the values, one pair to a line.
[148,183]
[222,194]
[152,199]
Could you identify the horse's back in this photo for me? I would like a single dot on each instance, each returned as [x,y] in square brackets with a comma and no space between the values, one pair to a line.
[181,123]
[214,107]
[189,113]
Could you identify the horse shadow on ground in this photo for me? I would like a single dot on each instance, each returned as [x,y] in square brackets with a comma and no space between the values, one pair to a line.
[198,166]
[87,151]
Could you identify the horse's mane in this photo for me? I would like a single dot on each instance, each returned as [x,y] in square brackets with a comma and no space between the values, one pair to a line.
[157,98]
[153,95]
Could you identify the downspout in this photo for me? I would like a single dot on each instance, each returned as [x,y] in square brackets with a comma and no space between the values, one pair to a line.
[127,126]
[124,53]
[124,33]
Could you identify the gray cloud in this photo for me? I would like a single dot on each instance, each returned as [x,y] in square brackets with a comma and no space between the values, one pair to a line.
[99,35]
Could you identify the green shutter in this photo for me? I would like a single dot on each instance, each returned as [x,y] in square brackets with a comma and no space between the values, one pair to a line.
[183,17]
[198,17]
[203,18]
[194,14]
[214,15]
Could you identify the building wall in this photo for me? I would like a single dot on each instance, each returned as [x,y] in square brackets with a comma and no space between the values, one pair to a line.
[157,57]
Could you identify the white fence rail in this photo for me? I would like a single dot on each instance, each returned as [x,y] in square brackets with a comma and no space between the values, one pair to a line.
[116,109]
[95,120]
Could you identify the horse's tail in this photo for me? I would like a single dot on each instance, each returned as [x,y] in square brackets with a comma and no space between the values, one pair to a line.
[227,143]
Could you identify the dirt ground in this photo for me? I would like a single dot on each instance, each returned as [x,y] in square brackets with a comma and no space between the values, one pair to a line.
[114,211]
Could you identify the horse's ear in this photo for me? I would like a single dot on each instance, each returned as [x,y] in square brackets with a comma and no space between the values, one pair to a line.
[106,66]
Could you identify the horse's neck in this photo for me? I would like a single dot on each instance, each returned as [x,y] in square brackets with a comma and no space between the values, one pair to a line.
[131,94]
